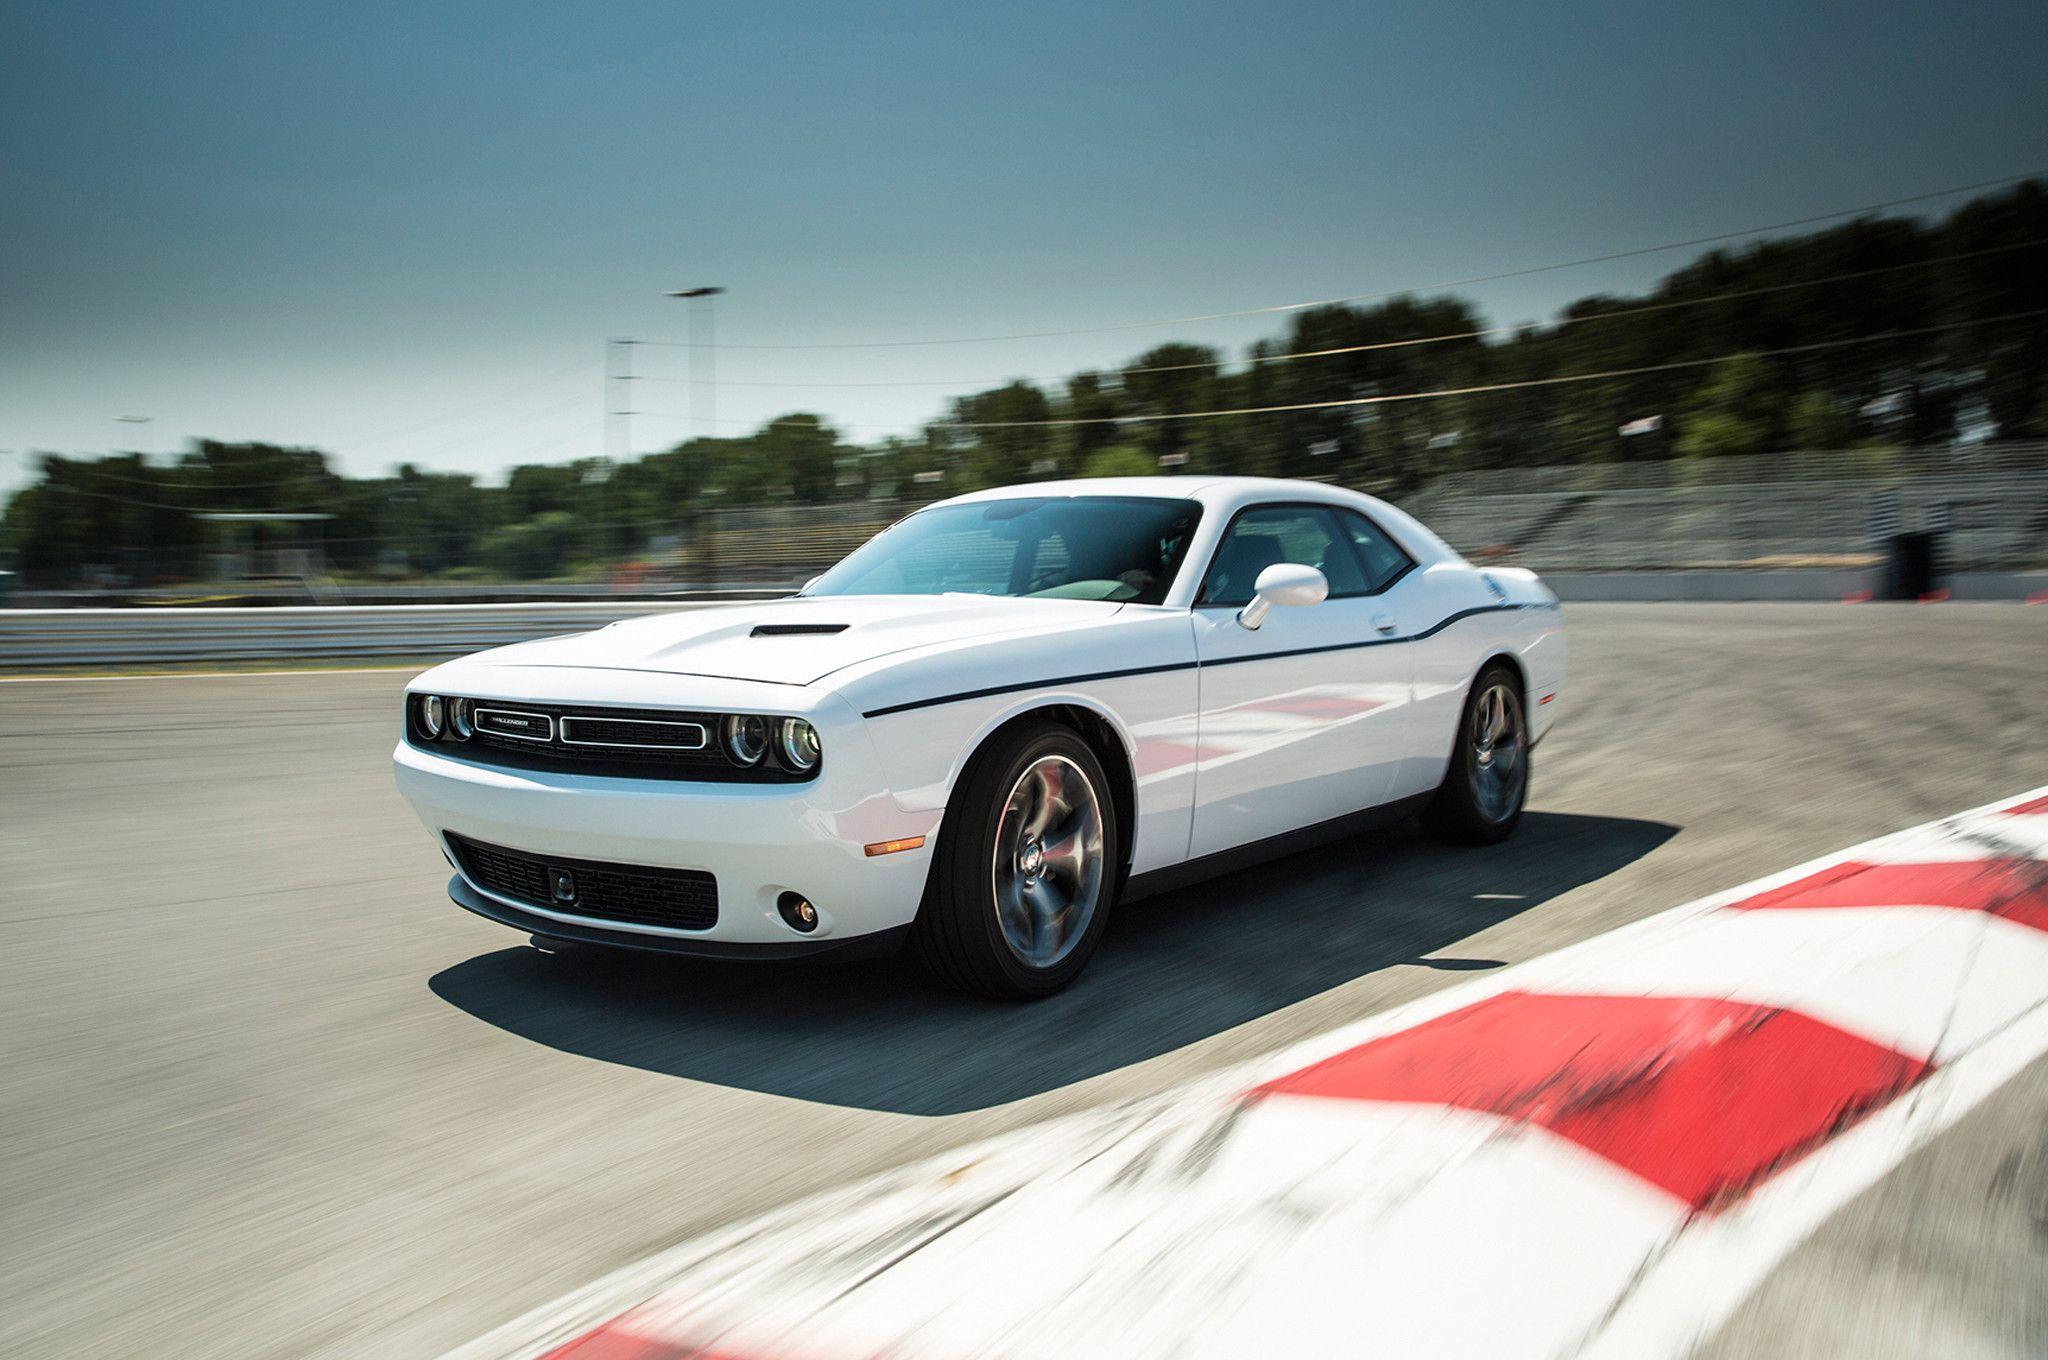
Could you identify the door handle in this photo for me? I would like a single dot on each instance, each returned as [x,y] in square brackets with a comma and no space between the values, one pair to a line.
[1384,623]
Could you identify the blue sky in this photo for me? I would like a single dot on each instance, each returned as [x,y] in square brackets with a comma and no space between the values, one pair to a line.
[404,231]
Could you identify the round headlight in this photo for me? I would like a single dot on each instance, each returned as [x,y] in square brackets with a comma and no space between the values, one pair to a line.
[462,718]
[432,715]
[746,737]
[799,743]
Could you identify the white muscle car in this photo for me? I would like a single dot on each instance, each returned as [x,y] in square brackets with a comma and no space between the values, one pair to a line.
[987,726]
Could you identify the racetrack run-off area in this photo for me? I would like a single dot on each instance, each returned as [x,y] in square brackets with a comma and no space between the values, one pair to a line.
[1595,1153]
[270,1094]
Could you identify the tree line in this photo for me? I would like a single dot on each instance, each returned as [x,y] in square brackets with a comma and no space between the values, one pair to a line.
[1879,332]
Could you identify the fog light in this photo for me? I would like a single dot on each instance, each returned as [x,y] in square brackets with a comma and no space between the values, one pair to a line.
[798,912]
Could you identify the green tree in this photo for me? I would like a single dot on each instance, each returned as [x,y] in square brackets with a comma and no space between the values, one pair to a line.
[1739,409]
[1817,421]
[530,550]
[998,443]
[1121,460]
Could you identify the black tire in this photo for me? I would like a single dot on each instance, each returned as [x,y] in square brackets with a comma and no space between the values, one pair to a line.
[959,937]
[1470,807]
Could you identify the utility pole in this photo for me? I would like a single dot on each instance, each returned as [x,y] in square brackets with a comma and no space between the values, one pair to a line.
[136,525]
[618,399]
[703,360]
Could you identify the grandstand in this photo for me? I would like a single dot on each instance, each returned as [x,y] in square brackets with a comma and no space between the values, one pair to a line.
[1808,509]
[1797,509]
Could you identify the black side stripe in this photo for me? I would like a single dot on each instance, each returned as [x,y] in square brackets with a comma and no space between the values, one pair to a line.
[993,690]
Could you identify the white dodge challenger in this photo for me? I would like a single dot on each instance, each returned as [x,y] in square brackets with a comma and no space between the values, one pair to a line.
[987,726]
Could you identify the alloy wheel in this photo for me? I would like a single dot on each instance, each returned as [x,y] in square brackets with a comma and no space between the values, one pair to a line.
[1048,870]
[1497,751]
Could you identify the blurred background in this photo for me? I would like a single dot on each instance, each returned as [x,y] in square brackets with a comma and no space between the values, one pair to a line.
[1792,403]
[413,307]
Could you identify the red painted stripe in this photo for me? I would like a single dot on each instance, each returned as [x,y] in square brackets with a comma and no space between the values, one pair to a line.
[616,1340]
[2029,807]
[2015,889]
[1703,1098]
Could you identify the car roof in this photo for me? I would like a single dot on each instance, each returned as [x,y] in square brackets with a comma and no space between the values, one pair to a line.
[1209,490]
[1227,495]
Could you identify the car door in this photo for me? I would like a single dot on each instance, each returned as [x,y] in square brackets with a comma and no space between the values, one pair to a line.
[1299,717]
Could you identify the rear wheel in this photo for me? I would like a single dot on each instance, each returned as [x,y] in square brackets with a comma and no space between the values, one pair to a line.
[1025,868]
[1481,799]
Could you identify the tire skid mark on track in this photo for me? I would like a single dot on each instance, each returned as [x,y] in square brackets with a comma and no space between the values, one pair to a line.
[1599,1152]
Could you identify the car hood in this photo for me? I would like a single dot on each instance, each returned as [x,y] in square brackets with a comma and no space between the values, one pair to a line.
[797,641]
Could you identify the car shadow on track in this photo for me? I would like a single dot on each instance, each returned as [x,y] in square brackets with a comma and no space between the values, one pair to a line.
[1171,970]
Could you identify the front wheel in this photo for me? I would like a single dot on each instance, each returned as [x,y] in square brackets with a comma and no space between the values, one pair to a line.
[1025,868]
[1481,799]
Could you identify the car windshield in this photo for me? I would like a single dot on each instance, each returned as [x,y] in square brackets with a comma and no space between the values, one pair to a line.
[1122,548]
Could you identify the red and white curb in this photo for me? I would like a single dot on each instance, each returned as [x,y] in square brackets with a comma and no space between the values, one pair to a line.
[1598,1153]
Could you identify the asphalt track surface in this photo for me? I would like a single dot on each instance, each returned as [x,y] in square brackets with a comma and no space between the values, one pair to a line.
[265,1092]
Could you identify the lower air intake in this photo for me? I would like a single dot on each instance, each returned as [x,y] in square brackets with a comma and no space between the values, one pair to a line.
[631,894]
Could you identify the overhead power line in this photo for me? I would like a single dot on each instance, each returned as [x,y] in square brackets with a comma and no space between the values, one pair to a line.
[288,478]
[100,472]
[1282,308]
[1438,339]
[1335,404]
[1498,387]
[524,421]
[1414,396]
[578,369]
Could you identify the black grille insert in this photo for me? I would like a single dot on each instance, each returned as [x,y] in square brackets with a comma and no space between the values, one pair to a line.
[634,733]
[675,899]
[629,743]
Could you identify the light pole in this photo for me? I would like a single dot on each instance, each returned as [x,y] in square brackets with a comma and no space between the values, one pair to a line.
[137,423]
[702,380]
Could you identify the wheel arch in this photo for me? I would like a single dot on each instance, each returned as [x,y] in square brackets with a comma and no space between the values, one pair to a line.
[1104,736]
[1512,660]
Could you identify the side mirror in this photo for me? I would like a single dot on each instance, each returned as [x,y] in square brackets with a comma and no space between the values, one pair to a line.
[1290,584]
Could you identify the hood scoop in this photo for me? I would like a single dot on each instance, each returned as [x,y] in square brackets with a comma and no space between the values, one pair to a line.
[796,629]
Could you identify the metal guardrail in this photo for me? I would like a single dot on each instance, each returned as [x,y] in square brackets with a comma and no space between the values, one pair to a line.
[236,594]
[139,637]
[94,637]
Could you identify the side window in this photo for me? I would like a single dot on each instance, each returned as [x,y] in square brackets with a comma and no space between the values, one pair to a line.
[1267,534]
[1381,557]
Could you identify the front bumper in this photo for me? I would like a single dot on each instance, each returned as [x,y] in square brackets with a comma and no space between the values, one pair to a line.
[696,945]
[757,840]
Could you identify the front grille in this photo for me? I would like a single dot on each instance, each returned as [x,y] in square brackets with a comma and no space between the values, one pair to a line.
[639,734]
[632,743]
[633,894]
